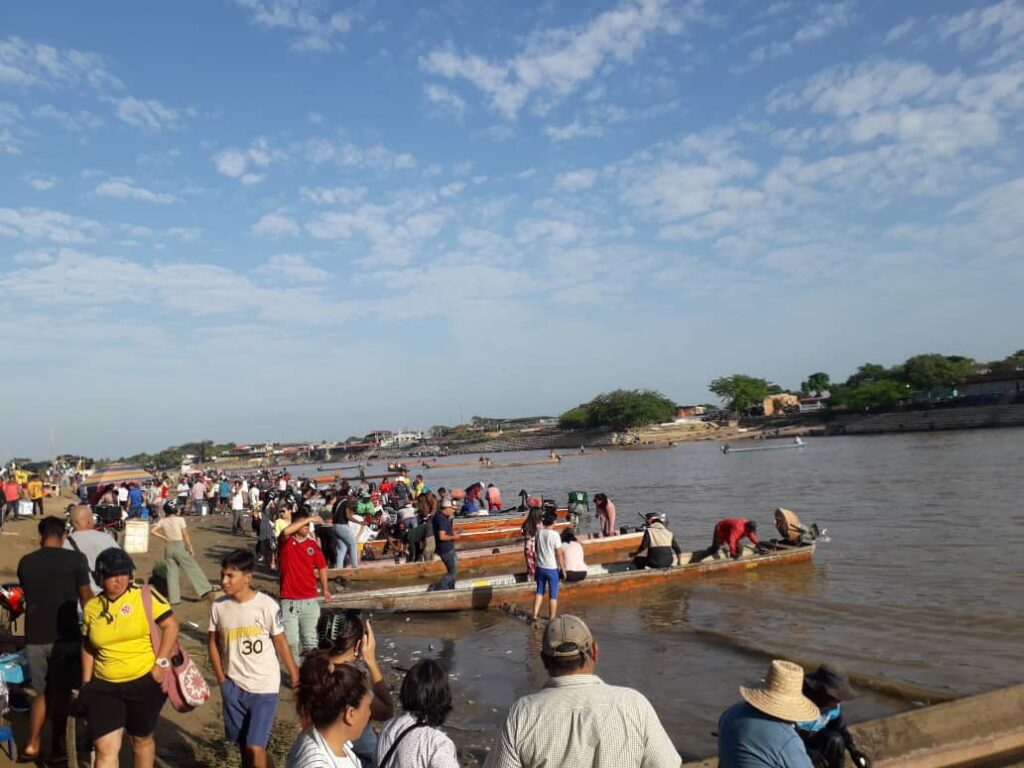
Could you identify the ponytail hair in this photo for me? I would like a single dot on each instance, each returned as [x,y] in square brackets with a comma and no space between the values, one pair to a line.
[326,690]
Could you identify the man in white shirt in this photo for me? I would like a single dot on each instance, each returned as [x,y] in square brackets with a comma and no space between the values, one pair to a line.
[577,721]
[550,565]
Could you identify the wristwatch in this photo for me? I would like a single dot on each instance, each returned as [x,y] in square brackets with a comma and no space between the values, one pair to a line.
[163,663]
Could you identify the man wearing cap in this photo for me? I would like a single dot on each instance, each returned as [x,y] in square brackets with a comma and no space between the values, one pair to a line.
[577,721]
[726,539]
[827,737]
[658,548]
[759,732]
[444,544]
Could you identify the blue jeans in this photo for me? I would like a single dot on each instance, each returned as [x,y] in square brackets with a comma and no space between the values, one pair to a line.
[300,618]
[346,543]
[448,580]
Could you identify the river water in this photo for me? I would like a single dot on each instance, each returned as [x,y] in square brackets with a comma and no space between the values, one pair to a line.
[921,585]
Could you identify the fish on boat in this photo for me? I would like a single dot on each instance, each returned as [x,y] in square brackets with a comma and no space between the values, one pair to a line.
[480,562]
[518,589]
[471,538]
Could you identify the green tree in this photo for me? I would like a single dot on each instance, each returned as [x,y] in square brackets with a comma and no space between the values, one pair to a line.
[872,372]
[932,370]
[621,409]
[739,391]
[817,383]
[574,418]
[871,394]
[1010,363]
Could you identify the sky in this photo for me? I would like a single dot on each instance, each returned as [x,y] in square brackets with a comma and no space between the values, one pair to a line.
[302,219]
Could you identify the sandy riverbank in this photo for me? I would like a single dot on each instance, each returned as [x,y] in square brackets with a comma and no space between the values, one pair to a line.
[196,738]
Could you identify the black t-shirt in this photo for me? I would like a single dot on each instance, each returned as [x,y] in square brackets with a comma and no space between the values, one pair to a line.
[51,577]
[443,523]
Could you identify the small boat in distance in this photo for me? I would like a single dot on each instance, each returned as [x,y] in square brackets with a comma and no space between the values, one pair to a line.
[797,443]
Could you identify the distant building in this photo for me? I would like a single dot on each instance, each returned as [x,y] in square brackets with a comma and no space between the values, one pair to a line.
[812,404]
[401,439]
[996,383]
[686,412]
[783,403]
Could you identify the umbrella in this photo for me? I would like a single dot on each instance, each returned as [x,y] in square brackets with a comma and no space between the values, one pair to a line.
[119,473]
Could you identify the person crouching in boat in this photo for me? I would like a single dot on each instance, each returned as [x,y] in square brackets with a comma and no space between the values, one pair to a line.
[726,539]
[572,553]
[659,548]
[827,738]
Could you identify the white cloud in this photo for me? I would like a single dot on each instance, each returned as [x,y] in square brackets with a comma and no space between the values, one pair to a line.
[547,230]
[44,183]
[35,64]
[81,120]
[42,224]
[333,195]
[241,163]
[444,97]
[900,31]
[275,224]
[10,121]
[573,130]
[824,19]
[294,267]
[556,62]
[998,28]
[316,25]
[573,181]
[126,189]
[33,258]
[147,114]
[348,155]
[396,233]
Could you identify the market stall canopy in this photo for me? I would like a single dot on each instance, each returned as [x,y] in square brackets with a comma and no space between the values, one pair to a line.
[119,473]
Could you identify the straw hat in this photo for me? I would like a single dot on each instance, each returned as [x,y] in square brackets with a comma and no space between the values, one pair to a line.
[781,694]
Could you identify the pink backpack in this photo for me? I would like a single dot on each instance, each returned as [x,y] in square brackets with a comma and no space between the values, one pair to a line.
[183,682]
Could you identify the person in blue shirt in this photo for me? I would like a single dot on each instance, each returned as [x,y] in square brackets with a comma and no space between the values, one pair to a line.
[444,537]
[826,737]
[759,731]
[134,500]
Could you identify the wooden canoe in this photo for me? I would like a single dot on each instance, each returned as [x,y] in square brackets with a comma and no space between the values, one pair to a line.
[982,730]
[473,538]
[763,448]
[516,589]
[481,562]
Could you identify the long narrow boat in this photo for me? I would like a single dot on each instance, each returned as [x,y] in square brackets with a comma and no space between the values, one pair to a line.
[473,538]
[982,730]
[481,562]
[516,589]
[761,448]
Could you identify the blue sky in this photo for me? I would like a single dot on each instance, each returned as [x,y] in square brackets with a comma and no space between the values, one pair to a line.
[298,219]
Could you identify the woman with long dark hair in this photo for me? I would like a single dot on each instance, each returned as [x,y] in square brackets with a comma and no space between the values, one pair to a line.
[334,702]
[414,739]
[349,640]
[529,530]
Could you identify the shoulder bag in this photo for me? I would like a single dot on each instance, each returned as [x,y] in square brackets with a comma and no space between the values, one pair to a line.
[183,682]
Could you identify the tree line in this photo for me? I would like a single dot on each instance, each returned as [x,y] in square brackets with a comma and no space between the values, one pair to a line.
[870,386]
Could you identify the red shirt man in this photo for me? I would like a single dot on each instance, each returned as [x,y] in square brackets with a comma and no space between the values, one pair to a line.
[728,533]
[301,563]
[12,491]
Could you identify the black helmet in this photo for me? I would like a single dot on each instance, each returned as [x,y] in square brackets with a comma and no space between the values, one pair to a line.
[171,507]
[550,505]
[113,561]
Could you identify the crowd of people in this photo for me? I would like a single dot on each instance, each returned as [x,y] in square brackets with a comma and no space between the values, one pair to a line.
[102,646]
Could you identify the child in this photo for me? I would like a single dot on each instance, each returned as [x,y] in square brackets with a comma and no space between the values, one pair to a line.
[246,644]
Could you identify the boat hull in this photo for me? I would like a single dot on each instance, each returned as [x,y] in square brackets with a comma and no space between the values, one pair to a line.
[481,562]
[515,589]
[473,538]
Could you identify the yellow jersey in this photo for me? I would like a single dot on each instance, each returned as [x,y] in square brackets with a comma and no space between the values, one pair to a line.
[118,632]
[35,489]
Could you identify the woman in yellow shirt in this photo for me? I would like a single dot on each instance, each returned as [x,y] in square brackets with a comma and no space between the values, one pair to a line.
[121,674]
[35,493]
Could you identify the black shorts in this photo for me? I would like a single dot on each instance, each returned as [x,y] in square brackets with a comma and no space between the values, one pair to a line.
[575,575]
[134,705]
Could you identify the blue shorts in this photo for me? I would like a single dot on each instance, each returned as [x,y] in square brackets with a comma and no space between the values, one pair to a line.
[248,717]
[548,577]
